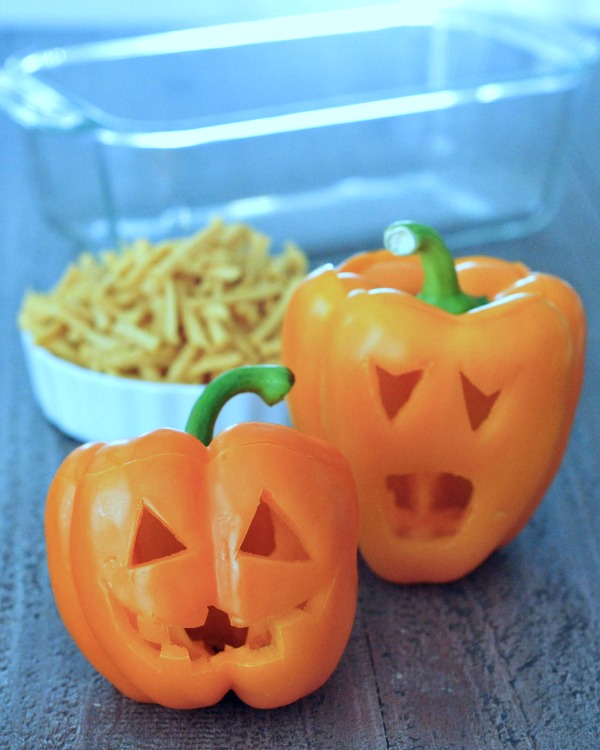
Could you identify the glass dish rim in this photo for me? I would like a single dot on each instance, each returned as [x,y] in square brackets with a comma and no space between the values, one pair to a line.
[568,55]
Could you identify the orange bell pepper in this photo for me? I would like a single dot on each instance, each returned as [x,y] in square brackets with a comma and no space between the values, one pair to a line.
[184,567]
[452,407]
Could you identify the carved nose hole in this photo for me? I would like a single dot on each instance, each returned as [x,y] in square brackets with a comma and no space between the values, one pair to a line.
[479,405]
[153,539]
[270,536]
[395,390]
[427,505]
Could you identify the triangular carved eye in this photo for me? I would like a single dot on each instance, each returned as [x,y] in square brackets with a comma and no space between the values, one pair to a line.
[395,390]
[153,539]
[269,535]
[479,405]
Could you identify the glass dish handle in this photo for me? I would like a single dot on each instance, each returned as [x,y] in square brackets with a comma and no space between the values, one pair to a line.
[35,105]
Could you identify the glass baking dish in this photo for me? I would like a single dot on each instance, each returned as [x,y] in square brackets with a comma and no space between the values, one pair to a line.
[320,128]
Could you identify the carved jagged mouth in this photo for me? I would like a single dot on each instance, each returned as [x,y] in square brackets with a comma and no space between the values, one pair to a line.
[217,634]
[214,636]
[427,505]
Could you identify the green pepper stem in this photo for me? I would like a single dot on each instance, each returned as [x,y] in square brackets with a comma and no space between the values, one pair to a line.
[440,285]
[271,382]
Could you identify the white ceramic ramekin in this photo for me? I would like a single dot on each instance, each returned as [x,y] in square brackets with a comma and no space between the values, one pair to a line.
[93,406]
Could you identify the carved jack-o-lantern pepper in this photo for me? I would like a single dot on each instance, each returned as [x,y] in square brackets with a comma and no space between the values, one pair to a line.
[453,410]
[184,568]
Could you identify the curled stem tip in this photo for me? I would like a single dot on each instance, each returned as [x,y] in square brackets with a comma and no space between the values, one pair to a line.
[271,382]
[440,285]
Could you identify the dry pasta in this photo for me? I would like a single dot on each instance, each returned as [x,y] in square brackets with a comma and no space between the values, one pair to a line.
[181,310]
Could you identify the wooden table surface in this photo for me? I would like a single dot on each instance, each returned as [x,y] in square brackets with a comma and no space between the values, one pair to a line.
[508,657]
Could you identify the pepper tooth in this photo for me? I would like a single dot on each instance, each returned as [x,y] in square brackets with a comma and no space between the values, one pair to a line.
[152,630]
